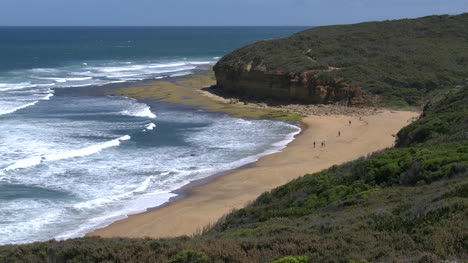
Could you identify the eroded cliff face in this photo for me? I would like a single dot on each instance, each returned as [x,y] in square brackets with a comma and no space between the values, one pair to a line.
[307,87]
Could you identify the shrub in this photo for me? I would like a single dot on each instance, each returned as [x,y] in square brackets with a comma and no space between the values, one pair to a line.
[190,256]
[292,260]
[404,62]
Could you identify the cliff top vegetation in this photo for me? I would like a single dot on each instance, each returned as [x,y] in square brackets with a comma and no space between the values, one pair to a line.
[402,204]
[405,204]
[402,61]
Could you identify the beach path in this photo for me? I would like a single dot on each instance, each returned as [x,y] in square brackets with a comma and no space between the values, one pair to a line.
[205,204]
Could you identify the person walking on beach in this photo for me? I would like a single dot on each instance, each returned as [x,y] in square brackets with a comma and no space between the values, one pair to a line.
[339,133]
[314,144]
[349,122]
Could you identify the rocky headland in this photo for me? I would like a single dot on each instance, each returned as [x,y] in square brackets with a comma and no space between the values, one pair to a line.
[396,63]
[402,204]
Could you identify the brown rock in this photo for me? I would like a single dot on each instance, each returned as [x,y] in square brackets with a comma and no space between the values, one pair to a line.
[305,87]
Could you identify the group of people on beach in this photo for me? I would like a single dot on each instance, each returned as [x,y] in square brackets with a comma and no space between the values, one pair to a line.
[323,143]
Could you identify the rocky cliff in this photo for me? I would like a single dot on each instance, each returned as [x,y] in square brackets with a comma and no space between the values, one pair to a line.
[305,87]
[396,63]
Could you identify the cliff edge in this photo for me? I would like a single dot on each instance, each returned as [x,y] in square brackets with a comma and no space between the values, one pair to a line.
[391,63]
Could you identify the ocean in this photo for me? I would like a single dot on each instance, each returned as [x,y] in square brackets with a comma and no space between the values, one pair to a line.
[73,159]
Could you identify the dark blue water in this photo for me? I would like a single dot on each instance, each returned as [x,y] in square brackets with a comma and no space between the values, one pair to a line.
[31,47]
[73,161]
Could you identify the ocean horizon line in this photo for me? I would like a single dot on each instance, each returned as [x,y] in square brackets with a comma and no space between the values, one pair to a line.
[154,26]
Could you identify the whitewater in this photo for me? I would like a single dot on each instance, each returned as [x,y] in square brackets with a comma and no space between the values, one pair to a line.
[38,84]
[76,156]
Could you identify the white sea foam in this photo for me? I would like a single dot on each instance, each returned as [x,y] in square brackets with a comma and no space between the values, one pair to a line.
[63,80]
[110,183]
[46,85]
[78,79]
[44,70]
[118,69]
[169,65]
[89,73]
[200,62]
[24,163]
[180,74]
[16,86]
[139,110]
[145,72]
[88,150]
[143,202]
[149,68]
[150,126]
[82,73]
[36,160]
[102,201]
[9,111]
[275,147]
[112,195]
[114,82]
[138,205]
[289,138]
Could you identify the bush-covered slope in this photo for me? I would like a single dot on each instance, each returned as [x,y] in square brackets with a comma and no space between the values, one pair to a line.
[445,119]
[400,61]
[406,204]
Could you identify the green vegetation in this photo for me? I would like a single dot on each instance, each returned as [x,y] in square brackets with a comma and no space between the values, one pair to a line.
[190,256]
[355,181]
[292,260]
[190,87]
[445,119]
[405,204]
[402,61]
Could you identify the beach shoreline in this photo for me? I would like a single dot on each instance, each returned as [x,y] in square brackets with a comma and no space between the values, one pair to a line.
[203,202]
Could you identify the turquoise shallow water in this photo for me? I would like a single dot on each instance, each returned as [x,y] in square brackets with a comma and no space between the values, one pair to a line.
[73,160]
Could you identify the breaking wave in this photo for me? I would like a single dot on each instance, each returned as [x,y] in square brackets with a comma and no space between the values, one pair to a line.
[36,160]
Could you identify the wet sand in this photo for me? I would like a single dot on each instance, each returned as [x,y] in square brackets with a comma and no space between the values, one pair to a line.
[205,204]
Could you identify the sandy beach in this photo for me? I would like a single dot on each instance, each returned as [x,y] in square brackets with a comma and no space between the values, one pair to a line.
[205,204]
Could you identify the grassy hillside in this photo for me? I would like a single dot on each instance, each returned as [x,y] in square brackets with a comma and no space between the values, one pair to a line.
[445,119]
[402,61]
[403,204]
